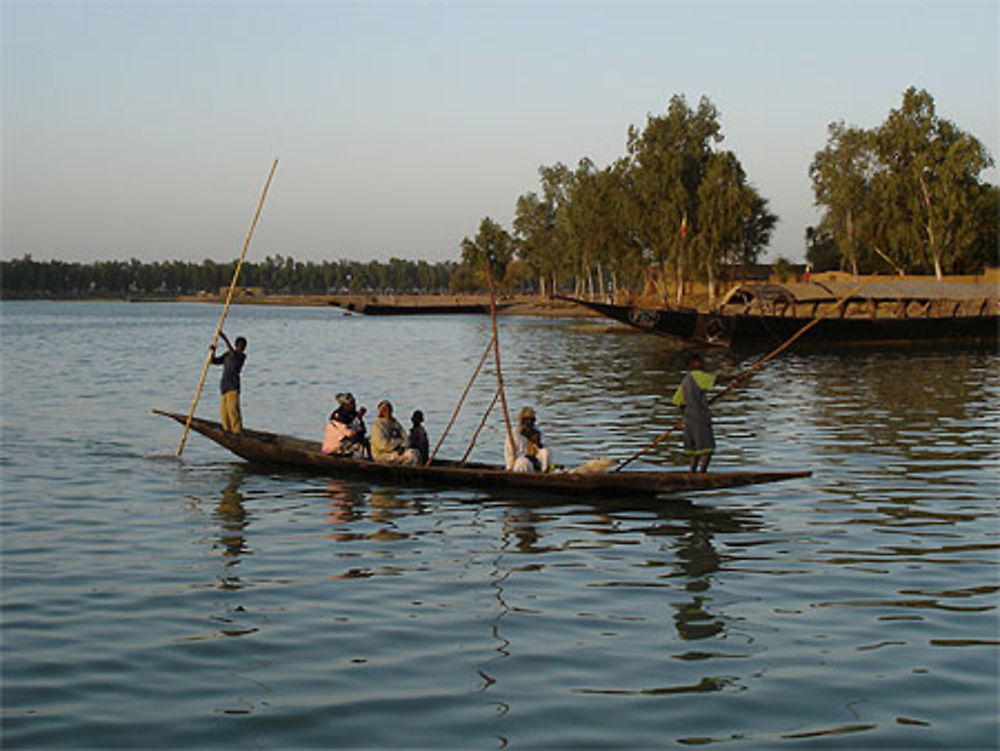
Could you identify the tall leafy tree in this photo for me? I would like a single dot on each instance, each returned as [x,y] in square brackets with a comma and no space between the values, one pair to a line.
[599,235]
[540,227]
[534,224]
[492,245]
[986,251]
[724,203]
[907,193]
[932,168]
[668,160]
[841,176]
[821,249]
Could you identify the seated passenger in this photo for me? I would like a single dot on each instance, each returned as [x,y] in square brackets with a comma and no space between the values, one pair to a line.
[389,439]
[418,437]
[345,430]
[527,454]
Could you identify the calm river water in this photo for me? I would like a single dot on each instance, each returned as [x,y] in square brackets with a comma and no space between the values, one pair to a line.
[151,602]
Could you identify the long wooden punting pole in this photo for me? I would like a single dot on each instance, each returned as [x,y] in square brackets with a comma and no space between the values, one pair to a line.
[496,354]
[225,309]
[740,379]
[475,374]
[475,436]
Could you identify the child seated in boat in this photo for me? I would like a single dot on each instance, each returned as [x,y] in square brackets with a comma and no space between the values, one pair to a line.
[345,430]
[418,436]
[527,454]
[388,440]
[699,440]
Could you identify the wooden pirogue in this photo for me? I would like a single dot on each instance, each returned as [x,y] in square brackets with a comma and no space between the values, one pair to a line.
[883,313]
[273,449]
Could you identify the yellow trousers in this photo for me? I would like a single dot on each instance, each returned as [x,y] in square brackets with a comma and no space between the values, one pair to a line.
[229,408]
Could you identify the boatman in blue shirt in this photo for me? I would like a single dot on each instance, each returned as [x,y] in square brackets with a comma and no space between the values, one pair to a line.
[699,441]
[232,364]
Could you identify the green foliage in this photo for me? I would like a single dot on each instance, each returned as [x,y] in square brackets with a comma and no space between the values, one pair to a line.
[618,220]
[493,247]
[821,250]
[783,270]
[540,227]
[25,277]
[906,194]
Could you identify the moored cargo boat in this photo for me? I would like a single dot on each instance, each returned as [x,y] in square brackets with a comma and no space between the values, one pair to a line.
[414,309]
[879,312]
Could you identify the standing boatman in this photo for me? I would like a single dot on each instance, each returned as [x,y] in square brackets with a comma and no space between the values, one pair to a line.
[699,440]
[232,363]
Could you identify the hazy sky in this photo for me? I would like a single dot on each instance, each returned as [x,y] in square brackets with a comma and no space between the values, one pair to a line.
[147,128]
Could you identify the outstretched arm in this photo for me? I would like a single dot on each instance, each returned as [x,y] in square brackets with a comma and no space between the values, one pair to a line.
[216,359]
[219,359]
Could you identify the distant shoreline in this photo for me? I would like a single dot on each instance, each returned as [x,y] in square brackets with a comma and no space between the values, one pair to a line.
[352,302]
[529,305]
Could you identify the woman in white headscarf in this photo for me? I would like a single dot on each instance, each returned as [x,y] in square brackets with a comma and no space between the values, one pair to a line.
[527,454]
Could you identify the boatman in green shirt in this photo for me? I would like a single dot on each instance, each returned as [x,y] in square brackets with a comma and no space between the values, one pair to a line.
[699,441]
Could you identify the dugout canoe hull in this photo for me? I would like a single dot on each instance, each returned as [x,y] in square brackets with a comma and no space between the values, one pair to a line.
[276,450]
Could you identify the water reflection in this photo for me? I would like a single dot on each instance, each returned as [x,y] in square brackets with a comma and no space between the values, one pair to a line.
[351,510]
[698,560]
[521,524]
[344,508]
[385,507]
[689,533]
[882,401]
[233,521]
[693,529]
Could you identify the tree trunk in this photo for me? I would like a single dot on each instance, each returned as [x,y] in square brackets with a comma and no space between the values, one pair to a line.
[660,286]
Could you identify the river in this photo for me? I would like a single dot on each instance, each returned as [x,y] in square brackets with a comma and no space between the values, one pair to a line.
[156,602]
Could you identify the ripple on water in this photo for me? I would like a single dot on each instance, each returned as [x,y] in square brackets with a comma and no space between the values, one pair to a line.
[203,603]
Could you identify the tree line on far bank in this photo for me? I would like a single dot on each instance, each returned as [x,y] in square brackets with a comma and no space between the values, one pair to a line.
[25,277]
[905,197]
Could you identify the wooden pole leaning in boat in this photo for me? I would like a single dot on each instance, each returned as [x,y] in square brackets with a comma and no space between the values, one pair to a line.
[743,377]
[475,374]
[496,354]
[225,309]
[482,423]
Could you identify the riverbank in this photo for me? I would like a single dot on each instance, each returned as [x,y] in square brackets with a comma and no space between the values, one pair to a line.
[531,305]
